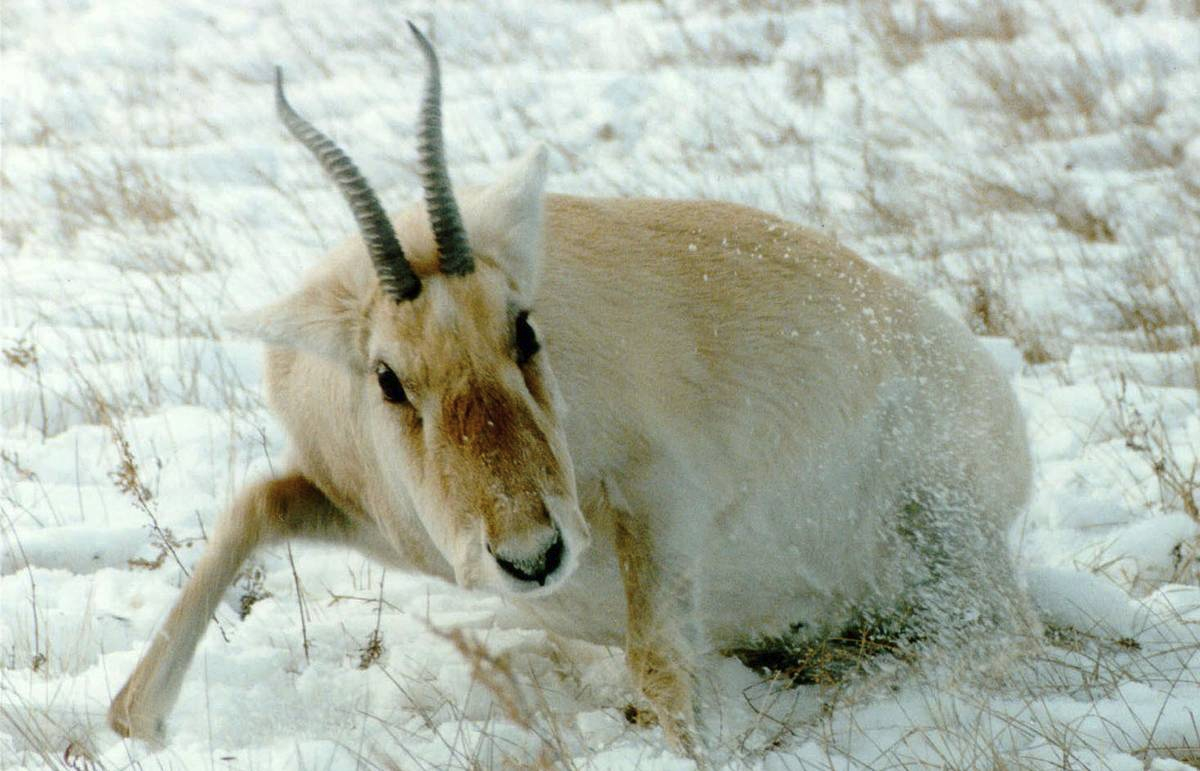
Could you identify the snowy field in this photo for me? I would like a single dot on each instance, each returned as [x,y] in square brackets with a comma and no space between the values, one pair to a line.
[1033,165]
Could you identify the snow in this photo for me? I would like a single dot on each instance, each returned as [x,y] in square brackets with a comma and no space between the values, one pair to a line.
[1033,164]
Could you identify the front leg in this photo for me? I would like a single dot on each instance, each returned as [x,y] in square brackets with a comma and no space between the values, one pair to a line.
[660,627]
[263,512]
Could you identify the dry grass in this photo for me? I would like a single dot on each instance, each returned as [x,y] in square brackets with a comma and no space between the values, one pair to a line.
[57,744]
[990,312]
[1157,300]
[1177,472]
[695,42]
[515,698]
[113,194]
[904,31]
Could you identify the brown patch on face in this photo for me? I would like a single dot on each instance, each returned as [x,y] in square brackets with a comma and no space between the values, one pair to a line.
[495,432]
[484,419]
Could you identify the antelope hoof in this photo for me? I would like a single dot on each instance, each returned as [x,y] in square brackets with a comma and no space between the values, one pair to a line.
[131,721]
[682,738]
[676,717]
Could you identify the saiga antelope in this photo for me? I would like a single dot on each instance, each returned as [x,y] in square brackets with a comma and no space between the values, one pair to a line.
[680,425]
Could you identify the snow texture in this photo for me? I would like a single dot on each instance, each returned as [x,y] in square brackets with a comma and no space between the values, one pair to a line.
[1034,165]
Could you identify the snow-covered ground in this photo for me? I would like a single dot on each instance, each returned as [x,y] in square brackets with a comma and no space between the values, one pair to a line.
[1033,164]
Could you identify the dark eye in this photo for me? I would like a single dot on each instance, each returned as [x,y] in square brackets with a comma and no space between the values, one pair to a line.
[525,339]
[390,384]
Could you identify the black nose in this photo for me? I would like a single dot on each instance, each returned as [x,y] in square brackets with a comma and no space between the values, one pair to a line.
[536,568]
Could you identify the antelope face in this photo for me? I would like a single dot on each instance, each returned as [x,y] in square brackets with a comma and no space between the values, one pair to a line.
[465,416]
[455,395]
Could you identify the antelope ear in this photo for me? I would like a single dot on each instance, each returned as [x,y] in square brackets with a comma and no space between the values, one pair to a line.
[325,318]
[509,220]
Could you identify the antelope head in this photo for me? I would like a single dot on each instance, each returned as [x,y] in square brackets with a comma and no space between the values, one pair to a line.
[452,391]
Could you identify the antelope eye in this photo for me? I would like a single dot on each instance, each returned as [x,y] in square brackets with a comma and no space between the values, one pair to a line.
[389,384]
[524,338]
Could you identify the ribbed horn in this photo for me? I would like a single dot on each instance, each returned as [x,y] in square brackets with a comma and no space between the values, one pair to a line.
[395,273]
[454,253]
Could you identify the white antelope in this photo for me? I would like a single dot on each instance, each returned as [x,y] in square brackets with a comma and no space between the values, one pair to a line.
[725,427]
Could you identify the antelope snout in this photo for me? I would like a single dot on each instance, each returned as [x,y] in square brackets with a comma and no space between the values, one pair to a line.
[530,563]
